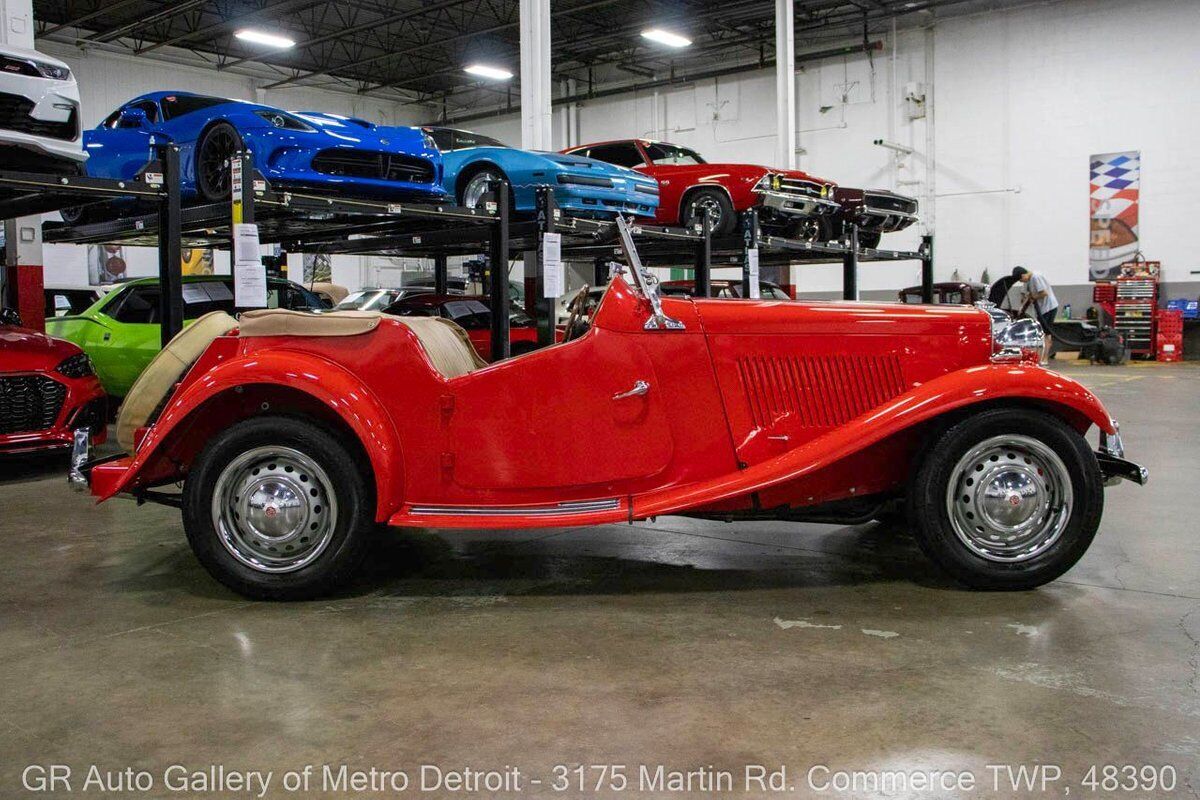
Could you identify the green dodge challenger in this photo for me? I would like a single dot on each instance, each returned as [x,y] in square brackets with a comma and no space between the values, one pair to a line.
[120,331]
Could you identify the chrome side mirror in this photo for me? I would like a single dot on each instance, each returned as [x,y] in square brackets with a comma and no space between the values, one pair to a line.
[646,282]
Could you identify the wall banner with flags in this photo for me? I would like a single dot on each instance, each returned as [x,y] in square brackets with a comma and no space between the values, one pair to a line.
[1115,185]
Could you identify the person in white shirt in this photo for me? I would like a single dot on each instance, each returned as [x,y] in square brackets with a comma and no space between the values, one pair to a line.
[1040,293]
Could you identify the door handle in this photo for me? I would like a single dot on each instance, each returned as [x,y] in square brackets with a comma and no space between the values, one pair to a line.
[640,388]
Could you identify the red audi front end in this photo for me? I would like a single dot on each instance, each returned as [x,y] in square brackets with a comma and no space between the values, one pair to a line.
[48,391]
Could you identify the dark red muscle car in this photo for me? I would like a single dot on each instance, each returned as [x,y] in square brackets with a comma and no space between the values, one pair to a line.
[474,316]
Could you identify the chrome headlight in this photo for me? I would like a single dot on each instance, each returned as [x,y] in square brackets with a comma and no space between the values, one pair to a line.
[1014,340]
[54,71]
[76,366]
[285,121]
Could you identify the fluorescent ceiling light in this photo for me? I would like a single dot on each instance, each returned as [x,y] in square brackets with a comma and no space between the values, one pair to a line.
[484,71]
[666,37]
[260,37]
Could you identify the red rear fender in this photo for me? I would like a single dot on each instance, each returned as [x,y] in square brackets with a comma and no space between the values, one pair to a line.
[273,382]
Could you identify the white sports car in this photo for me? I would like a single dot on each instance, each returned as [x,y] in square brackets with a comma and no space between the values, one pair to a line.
[40,128]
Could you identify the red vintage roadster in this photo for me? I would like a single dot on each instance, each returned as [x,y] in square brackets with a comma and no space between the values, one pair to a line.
[296,435]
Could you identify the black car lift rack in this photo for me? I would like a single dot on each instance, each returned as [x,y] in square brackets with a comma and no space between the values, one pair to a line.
[311,222]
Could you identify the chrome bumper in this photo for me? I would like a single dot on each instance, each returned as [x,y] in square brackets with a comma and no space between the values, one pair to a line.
[81,453]
[797,205]
[1113,465]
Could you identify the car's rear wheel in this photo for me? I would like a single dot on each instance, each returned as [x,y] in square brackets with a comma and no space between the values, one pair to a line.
[278,508]
[868,239]
[721,215]
[1007,499]
[213,152]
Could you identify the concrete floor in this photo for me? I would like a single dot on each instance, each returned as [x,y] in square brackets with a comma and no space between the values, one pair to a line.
[678,643]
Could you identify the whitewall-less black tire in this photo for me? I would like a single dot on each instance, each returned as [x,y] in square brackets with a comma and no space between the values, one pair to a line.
[1007,499]
[277,508]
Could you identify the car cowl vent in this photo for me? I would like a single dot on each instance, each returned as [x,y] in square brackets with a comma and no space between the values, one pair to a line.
[818,391]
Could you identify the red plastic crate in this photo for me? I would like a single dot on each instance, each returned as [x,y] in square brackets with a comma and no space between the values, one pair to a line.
[1170,347]
[1170,321]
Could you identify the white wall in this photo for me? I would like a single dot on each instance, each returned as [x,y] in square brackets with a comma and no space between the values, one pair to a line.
[1016,103]
[107,80]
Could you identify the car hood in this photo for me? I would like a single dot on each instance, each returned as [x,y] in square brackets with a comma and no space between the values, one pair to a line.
[25,350]
[719,170]
[358,133]
[591,165]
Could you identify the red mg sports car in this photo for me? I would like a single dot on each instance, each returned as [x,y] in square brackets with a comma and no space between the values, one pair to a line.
[296,435]
[48,390]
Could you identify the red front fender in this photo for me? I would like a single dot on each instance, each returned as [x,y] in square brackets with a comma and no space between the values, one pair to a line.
[322,380]
[955,390]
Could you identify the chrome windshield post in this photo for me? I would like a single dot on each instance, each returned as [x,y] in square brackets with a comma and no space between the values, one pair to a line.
[645,282]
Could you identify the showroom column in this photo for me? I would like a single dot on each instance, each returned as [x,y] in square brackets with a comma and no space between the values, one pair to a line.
[785,84]
[535,75]
[23,280]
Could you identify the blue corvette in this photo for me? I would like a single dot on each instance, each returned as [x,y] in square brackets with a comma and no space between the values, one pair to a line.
[295,150]
[582,186]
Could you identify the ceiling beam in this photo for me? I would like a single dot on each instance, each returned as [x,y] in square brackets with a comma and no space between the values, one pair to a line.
[105,8]
[373,24]
[116,33]
[426,45]
[213,31]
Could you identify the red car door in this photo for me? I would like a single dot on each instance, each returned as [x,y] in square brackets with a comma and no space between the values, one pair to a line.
[566,416]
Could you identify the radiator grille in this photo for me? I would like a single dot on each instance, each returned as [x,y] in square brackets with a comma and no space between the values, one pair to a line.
[29,403]
[371,164]
[891,202]
[818,391]
[14,116]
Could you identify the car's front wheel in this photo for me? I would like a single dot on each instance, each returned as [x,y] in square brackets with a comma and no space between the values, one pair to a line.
[721,215]
[213,177]
[278,508]
[1007,499]
[477,187]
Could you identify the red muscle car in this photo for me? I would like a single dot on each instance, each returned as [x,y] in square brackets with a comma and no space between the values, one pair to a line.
[474,316]
[48,390]
[799,203]
[296,435]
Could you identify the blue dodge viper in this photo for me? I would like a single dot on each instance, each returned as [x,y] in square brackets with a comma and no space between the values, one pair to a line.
[582,186]
[296,150]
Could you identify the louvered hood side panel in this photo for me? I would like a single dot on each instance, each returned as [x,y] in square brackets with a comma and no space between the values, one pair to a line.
[818,391]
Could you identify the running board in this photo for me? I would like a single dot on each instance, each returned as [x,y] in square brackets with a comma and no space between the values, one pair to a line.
[548,515]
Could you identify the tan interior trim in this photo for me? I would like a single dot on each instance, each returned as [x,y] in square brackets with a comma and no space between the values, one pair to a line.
[282,322]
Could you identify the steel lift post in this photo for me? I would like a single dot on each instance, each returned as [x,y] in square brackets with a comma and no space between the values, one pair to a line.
[498,273]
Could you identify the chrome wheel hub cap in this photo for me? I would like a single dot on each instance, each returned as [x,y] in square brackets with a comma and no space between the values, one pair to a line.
[714,212]
[274,509]
[477,187]
[1009,498]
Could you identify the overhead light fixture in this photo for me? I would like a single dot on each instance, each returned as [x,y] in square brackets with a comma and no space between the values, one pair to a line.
[262,37]
[666,37]
[492,73]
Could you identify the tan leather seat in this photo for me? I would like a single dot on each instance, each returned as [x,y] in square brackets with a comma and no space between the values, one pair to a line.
[165,370]
[447,345]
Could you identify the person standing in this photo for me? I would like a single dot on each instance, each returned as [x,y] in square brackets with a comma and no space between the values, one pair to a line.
[1040,293]
[998,294]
